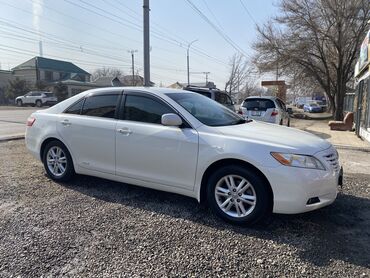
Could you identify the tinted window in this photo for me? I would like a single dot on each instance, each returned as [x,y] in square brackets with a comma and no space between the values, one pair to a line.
[100,106]
[36,94]
[258,104]
[223,98]
[143,109]
[206,94]
[49,94]
[207,111]
[75,108]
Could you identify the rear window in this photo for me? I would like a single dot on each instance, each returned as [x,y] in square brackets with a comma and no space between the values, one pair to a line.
[258,104]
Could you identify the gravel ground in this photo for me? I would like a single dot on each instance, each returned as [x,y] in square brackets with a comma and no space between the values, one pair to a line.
[96,228]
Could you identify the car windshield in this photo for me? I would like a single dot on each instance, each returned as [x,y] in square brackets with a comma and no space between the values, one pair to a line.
[207,111]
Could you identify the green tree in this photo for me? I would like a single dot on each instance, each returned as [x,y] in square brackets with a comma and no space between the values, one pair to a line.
[61,91]
[15,88]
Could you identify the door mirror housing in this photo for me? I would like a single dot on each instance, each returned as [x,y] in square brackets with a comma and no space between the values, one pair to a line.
[171,119]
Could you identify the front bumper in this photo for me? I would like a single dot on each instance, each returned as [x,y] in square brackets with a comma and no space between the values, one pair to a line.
[298,190]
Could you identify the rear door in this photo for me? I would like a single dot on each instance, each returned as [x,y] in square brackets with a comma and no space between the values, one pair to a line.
[88,129]
[260,109]
[148,151]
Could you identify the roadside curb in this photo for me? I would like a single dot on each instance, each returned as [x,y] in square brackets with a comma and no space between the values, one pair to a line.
[353,148]
[11,138]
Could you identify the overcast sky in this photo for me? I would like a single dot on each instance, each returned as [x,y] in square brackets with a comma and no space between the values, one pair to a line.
[99,33]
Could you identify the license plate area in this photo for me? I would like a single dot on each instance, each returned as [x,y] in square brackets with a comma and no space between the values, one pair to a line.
[256,113]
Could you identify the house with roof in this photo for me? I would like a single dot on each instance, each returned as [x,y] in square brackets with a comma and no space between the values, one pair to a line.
[126,80]
[46,70]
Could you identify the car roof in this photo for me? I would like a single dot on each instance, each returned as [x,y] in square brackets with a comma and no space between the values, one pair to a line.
[264,97]
[152,90]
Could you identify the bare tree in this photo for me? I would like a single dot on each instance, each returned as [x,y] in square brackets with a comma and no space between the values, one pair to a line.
[320,38]
[242,80]
[106,72]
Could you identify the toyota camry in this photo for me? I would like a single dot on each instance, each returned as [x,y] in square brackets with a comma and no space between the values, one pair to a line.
[182,142]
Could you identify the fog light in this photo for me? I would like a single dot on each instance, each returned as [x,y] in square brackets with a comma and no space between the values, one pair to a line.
[313,200]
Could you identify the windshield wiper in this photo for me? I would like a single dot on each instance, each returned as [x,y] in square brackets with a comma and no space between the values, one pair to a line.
[240,121]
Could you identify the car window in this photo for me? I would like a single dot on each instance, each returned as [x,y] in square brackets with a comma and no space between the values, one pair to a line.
[49,94]
[36,94]
[75,108]
[206,94]
[144,109]
[258,104]
[222,98]
[100,106]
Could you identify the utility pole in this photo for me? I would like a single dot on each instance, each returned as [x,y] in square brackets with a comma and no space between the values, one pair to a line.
[206,73]
[187,59]
[146,43]
[133,83]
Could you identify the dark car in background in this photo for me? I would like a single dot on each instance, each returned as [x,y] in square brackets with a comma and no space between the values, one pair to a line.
[215,94]
[312,107]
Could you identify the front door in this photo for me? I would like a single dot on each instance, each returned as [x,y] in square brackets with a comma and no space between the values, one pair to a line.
[147,150]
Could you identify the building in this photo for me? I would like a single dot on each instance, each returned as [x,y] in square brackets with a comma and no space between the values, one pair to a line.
[361,98]
[126,80]
[49,71]
[277,88]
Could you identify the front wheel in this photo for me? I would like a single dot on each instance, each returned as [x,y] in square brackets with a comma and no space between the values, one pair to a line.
[19,103]
[238,195]
[38,103]
[58,162]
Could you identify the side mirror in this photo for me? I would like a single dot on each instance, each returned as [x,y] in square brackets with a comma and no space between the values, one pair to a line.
[171,119]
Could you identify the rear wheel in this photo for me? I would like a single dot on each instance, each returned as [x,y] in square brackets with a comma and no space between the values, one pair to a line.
[38,103]
[238,195]
[58,162]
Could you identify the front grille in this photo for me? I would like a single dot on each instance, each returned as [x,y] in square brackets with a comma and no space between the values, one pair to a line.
[332,159]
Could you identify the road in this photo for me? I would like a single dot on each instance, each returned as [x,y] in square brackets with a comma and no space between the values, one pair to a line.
[91,227]
[13,120]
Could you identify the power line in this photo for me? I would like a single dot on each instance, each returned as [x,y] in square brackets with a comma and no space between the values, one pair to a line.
[247,11]
[217,29]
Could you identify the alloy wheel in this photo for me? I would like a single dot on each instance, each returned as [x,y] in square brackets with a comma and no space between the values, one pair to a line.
[56,161]
[235,196]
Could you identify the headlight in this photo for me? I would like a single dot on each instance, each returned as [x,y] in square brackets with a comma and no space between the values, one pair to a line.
[298,160]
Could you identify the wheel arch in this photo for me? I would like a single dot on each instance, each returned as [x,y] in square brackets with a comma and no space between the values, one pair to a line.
[49,139]
[230,161]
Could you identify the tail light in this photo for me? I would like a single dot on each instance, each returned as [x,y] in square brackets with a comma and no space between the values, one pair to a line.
[30,121]
[274,113]
[240,112]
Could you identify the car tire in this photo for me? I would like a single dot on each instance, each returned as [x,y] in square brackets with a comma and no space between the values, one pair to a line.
[288,124]
[38,103]
[241,209]
[19,103]
[281,122]
[55,158]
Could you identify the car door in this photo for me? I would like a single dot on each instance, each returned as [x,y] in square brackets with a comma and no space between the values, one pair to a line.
[88,129]
[148,151]
[28,98]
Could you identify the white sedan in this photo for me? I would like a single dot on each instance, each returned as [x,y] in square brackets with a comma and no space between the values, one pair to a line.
[183,142]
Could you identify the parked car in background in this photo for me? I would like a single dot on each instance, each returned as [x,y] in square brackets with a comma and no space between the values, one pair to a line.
[322,104]
[37,98]
[267,109]
[182,142]
[215,94]
[312,107]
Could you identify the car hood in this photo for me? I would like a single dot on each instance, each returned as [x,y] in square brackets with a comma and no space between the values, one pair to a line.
[278,138]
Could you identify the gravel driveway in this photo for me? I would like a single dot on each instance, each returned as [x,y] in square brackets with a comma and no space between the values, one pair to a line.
[96,228]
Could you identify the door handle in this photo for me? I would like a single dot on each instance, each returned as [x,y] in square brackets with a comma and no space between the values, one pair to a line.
[124,131]
[65,123]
